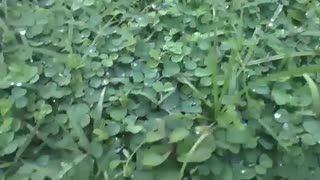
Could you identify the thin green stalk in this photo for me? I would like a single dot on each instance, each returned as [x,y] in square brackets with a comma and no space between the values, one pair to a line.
[314,93]
[228,76]
[289,73]
[99,108]
[27,142]
[278,57]
[70,166]
[193,148]
[125,168]
[272,133]
[214,79]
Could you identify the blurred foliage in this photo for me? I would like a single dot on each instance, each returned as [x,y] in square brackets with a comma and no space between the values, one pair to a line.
[159,89]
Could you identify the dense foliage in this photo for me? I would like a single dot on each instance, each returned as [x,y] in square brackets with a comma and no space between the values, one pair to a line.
[159,89]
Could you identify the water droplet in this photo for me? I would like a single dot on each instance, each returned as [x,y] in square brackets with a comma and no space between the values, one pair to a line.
[153,6]
[126,153]
[272,20]
[60,74]
[300,29]
[270,24]
[31,60]
[54,101]
[49,3]
[243,171]
[82,36]
[12,83]
[282,32]
[114,31]
[107,74]
[22,32]
[198,132]
[146,84]
[254,90]
[277,115]
[105,82]
[227,6]
[61,30]
[135,64]
[280,164]
[123,75]
[92,49]
[285,126]
[19,84]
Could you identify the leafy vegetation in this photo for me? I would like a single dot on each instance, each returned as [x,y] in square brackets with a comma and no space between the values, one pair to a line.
[159,89]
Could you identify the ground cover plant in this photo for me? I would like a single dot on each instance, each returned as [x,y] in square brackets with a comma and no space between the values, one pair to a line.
[159,89]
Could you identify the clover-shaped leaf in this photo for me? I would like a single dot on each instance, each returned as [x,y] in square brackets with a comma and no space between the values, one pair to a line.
[178,135]
[170,69]
[118,114]
[154,157]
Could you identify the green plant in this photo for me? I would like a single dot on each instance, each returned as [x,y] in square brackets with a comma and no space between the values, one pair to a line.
[162,89]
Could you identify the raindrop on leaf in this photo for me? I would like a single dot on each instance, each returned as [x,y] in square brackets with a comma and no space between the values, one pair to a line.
[285,126]
[22,32]
[19,84]
[277,115]
[270,24]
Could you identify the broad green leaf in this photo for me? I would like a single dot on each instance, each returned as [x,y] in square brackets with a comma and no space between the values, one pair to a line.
[151,158]
[5,105]
[238,135]
[101,134]
[170,69]
[154,136]
[199,155]
[77,113]
[260,169]
[113,128]
[265,161]
[201,72]
[118,114]
[308,139]
[312,126]
[178,135]
[134,128]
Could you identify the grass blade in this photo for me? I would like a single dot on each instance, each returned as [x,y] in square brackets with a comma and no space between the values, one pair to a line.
[278,57]
[193,148]
[99,108]
[228,77]
[213,65]
[291,72]
[314,93]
